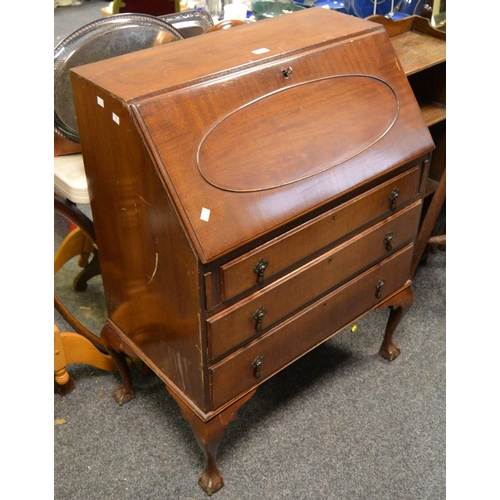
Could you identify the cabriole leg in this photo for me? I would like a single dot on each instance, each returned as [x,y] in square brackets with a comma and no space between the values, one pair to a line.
[125,392]
[399,306]
[208,435]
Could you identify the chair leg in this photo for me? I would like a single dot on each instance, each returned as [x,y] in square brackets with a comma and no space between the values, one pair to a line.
[63,383]
[93,268]
[69,348]
[72,245]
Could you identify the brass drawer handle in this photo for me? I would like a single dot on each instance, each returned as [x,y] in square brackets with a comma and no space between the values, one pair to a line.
[393,198]
[260,269]
[388,240]
[258,316]
[256,365]
[380,284]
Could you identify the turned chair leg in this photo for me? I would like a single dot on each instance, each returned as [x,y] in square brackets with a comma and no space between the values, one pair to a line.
[72,245]
[399,305]
[208,435]
[69,348]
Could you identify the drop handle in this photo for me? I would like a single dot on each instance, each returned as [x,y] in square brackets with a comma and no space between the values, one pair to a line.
[260,269]
[256,365]
[287,72]
[258,316]
[380,284]
[388,240]
[393,198]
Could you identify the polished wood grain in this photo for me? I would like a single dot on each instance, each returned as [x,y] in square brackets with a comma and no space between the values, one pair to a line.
[314,279]
[285,343]
[233,239]
[208,433]
[200,58]
[421,49]
[173,127]
[238,276]
[289,143]
[65,147]
[399,305]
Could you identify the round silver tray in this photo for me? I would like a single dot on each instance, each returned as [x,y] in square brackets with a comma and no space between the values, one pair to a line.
[102,39]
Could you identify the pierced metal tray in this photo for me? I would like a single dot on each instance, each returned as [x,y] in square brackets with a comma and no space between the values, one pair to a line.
[102,39]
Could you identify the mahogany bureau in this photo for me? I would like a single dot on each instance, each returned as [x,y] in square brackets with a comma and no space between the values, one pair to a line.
[254,191]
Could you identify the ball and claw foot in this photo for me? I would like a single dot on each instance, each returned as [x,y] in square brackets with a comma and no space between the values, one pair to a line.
[125,393]
[122,396]
[399,305]
[211,482]
[208,433]
[390,351]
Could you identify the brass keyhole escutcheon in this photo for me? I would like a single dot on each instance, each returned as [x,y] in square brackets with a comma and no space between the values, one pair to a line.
[258,316]
[260,269]
[256,365]
[287,72]
[393,198]
[388,240]
[380,284]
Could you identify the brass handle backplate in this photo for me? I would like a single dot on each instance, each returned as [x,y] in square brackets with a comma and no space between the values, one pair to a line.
[380,284]
[260,269]
[258,316]
[388,240]
[256,365]
[393,198]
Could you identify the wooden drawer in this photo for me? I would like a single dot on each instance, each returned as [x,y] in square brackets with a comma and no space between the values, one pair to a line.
[240,322]
[239,276]
[300,333]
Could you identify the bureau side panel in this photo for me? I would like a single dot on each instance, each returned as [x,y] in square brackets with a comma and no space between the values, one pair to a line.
[150,272]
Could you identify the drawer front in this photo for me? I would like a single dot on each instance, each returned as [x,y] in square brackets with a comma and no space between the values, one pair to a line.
[265,308]
[300,333]
[243,273]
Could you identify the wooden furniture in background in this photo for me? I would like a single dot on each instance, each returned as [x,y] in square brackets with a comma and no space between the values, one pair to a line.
[71,347]
[421,50]
[79,241]
[82,345]
[64,147]
[254,202]
[151,7]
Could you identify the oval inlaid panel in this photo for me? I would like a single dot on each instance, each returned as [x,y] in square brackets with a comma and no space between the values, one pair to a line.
[296,132]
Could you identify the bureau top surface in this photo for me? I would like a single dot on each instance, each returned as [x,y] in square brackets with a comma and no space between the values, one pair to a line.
[255,126]
[181,63]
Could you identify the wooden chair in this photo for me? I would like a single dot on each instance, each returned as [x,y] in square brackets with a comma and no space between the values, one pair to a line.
[83,345]
[69,348]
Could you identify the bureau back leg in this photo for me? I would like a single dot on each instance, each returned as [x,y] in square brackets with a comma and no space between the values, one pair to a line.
[399,305]
[125,392]
[208,434]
